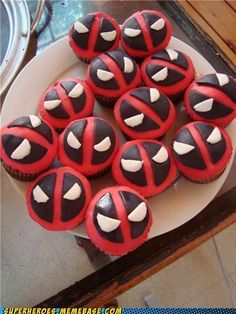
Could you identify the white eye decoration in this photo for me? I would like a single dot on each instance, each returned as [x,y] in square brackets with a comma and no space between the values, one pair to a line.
[139,213]
[154,94]
[182,148]
[51,104]
[161,156]
[128,65]
[72,141]
[76,91]
[35,121]
[204,106]
[39,195]
[131,165]
[135,120]
[109,36]
[173,55]
[160,75]
[80,28]
[130,32]
[107,224]
[215,136]
[73,193]
[222,79]
[22,150]
[104,75]
[158,25]
[104,145]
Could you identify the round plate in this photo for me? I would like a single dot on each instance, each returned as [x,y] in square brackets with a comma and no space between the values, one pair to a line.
[172,208]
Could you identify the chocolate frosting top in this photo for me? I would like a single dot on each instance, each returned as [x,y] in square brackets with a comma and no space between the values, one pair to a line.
[59,111]
[102,44]
[181,60]
[82,39]
[172,77]
[138,42]
[157,37]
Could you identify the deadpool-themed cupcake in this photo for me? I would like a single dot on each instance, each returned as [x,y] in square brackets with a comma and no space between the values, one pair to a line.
[145,32]
[118,220]
[212,98]
[145,165]
[57,200]
[145,113]
[65,101]
[88,145]
[28,147]
[112,74]
[202,151]
[169,70]
[94,34]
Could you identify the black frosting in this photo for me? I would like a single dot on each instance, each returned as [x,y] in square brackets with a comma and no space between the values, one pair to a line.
[161,106]
[71,208]
[139,177]
[127,110]
[59,111]
[211,80]
[45,210]
[131,201]
[160,170]
[101,130]
[181,61]
[78,103]
[216,150]
[218,110]
[42,129]
[157,37]
[96,64]
[78,130]
[172,77]
[11,142]
[194,158]
[105,206]
[138,42]
[102,44]
[82,39]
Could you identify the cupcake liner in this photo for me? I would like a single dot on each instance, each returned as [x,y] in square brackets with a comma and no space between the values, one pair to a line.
[106,101]
[202,181]
[20,175]
[83,59]
[99,174]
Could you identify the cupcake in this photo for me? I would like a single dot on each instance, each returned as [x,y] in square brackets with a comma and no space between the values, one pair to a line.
[88,145]
[57,200]
[145,32]
[212,98]
[169,70]
[144,165]
[94,34]
[65,101]
[202,151]
[28,147]
[118,220]
[145,113]
[111,75]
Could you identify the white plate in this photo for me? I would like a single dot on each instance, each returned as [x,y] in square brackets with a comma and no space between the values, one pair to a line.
[172,208]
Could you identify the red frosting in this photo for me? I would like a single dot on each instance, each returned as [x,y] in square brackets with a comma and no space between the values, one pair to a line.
[57,223]
[129,243]
[67,104]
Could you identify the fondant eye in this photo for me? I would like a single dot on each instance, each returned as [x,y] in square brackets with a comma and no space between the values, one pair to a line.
[131,165]
[73,193]
[204,106]
[35,121]
[154,94]
[173,55]
[108,36]
[139,213]
[22,150]
[128,65]
[39,195]
[215,136]
[161,156]
[107,224]
[130,32]
[222,79]
[80,28]
[72,141]
[182,148]
[51,104]
[104,145]
[104,75]
[158,25]
[76,91]
[135,120]
[160,75]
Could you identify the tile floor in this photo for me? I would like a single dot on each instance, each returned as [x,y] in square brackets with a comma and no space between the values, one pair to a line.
[37,264]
